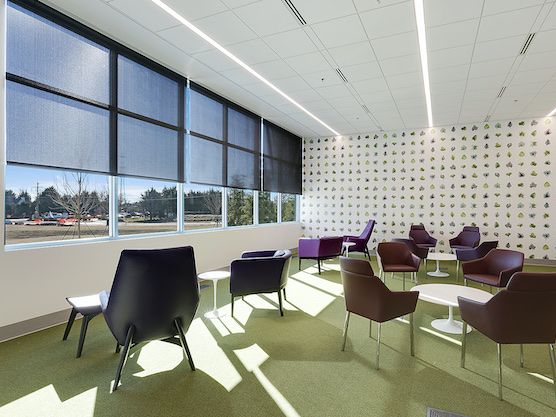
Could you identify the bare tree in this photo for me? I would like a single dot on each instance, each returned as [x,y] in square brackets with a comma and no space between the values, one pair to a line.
[213,201]
[74,197]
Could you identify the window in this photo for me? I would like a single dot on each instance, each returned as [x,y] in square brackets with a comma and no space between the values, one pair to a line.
[240,207]
[203,207]
[268,207]
[146,206]
[289,207]
[48,205]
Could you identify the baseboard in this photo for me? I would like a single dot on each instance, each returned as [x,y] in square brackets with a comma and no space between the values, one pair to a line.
[22,328]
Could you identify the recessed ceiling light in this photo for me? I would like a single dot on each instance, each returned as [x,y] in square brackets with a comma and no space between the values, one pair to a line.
[552,113]
[234,58]
[421,32]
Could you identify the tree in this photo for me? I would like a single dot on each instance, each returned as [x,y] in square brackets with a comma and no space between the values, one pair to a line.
[10,202]
[46,200]
[150,203]
[268,207]
[169,197]
[288,207]
[24,204]
[212,200]
[240,207]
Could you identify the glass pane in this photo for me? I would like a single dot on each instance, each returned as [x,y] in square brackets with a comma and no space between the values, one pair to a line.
[146,206]
[243,169]
[268,207]
[203,207]
[205,161]
[45,129]
[49,54]
[240,207]
[243,130]
[289,207]
[147,150]
[48,205]
[207,116]
[146,92]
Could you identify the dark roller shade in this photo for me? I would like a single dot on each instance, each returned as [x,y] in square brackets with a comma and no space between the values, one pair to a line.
[243,169]
[244,130]
[282,160]
[53,131]
[207,115]
[205,161]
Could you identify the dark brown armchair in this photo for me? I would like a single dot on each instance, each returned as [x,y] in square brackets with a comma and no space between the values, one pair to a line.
[524,312]
[367,296]
[421,251]
[495,269]
[395,257]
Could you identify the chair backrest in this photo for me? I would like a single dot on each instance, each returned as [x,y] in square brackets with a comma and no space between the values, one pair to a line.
[485,247]
[502,259]
[412,246]
[367,231]
[469,236]
[151,289]
[418,233]
[532,282]
[394,253]
[330,246]
[268,272]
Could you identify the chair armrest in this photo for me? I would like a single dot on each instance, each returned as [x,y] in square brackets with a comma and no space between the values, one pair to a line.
[402,302]
[466,255]
[473,312]
[308,248]
[347,238]
[104,297]
[506,274]
[453,240]
[476,266]
[252,275]
[258,254]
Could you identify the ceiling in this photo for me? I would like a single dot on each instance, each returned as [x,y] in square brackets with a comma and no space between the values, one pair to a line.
[473,52]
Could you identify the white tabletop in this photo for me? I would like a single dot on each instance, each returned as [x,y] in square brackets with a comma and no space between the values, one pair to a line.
[440,256]
[214,275]
[447,294]
[348,244]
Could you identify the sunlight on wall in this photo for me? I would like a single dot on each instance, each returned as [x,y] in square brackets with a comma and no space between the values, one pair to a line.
[46,402]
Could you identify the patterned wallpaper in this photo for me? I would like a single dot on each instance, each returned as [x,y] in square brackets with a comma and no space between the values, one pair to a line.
[498,176]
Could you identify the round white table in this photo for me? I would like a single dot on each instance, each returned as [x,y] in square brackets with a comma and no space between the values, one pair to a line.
[346,246]
[447,295]
[439,256]
[214,276]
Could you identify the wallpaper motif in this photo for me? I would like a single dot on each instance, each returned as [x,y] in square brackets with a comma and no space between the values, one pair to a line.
[498,176]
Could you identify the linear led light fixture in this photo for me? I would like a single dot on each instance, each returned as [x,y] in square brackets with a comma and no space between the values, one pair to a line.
[552,113]
[421,32]
[238,61]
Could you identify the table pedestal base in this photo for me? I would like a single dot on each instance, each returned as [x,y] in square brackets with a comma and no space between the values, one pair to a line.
[438,272]
[449,325]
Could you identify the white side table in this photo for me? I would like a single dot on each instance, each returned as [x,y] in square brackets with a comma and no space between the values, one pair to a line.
[214,276]
[346,246]
[439,256]
[447,295]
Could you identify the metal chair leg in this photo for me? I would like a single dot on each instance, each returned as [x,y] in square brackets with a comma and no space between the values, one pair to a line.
[280,303]
[553,364]
[123,355]
[283,289]
[403,281]
[318,263]
[299,264]
[521,356]
[457,270]
[411,336]
[71,319]
[346,324]
[499,351]
[371,329]
[232,305]
[378,347]
[183,342]
[84,326]
[118,347]
[463,345]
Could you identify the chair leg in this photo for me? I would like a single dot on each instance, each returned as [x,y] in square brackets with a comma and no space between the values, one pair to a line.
[426,266]
[299,264]
[280,303]
[465,282]
[411,336]
[553,364]
[346,324]
[118,347]
[84,326]
[318,263]
[183,342]
[123,355]
[499,351]
[403,281]
[283,289]
[371,329]
[521,356]
[378,347]
[463,345]
[71,319]
[232,305]
[457,270]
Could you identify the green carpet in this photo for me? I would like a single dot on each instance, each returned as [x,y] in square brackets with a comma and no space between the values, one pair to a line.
[261,364]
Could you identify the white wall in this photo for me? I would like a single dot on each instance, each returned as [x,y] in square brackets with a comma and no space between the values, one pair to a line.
[499,176]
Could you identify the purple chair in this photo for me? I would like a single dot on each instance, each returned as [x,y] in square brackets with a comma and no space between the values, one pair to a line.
[464,255]
[420,251]
[319,248]
[421,237]
[362,240]
[468,238]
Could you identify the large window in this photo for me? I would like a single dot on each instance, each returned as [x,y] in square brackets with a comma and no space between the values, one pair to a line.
[268,207]
[289,207]
[240,207]
[203,207]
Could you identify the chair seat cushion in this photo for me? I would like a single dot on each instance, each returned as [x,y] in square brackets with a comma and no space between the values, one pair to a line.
[399,268]
[483,278]
[87,304]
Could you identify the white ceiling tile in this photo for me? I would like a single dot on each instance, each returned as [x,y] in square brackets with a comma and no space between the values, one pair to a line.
[290,43]
[253,51]
[226,28]
[215,60]
[309,63]
[322,78]
[355,53]
[194,9]
[537,61]
[361,71]
[451,56]
[499,48]
[146,14]
[239,76]
[448,73]
[184,39]
[346,102]
[378,98]
[400,65]
[341,31]
[274,69]
[550,21]
[370,86]
[405,105]
[497,67]
[267,17]
[363,5]
[404,80]
[451,35]
[543,42]
[305,96]
[291,84]
[334,91]
[232,4]
[388,21]
[314,11]
[504,25]
[440,12]
[451,87]
[408,93]
[397,45]
[538,76]
[500,6]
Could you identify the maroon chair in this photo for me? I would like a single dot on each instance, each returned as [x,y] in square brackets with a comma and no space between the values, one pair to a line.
[465,255]
[367,296]
[395,257]
[468,238]
[421,237]
[362,240]
[495,269]
[421,252]
[523,313]
[319,249]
